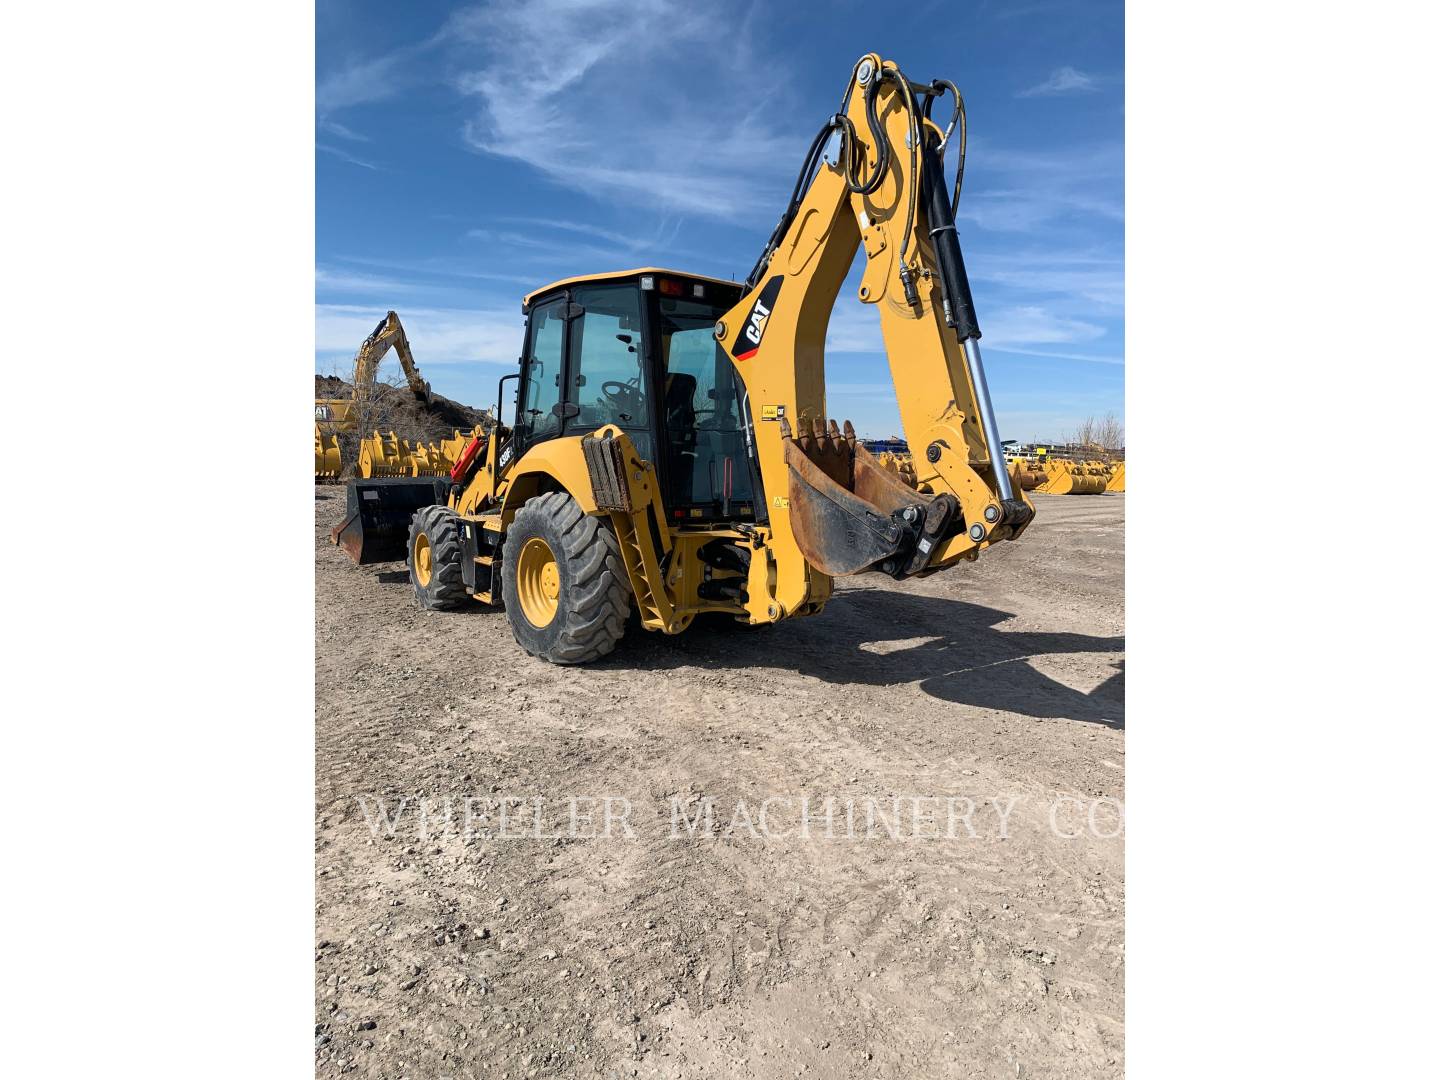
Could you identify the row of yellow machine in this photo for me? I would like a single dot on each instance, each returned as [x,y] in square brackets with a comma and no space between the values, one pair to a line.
[1068,476]
[385,454]
[1044,473]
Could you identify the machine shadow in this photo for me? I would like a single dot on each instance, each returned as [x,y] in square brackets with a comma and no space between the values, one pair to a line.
[875,637]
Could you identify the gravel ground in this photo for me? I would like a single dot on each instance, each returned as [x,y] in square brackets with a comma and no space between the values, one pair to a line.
[959,912]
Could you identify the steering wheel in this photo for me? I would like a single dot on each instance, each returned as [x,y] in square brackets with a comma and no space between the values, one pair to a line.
[627,399]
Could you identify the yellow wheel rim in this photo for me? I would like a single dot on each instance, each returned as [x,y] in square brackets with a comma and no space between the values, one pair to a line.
[422,560]
[537,580]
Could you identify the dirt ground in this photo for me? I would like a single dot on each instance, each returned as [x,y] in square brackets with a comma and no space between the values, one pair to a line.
[864,925]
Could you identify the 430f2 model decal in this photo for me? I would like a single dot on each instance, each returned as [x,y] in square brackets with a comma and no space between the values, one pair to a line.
[747,343]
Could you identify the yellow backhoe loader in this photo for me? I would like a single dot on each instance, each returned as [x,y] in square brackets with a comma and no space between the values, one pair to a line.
[671,453]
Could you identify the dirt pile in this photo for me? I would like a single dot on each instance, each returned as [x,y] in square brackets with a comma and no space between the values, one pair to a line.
[396,409]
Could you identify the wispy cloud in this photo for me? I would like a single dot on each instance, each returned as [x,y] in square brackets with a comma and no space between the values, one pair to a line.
[1089,358]
[345,155]
[1064,80]
[457,270]
[343,281]
[855,328]
[438,335]
[330,127]
[559,85]
[359,82]
[364,80]
[558,248]
[1095,279]
[1027,191]
[1033,325]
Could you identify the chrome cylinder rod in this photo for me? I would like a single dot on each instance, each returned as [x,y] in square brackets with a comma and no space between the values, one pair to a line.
[987,419]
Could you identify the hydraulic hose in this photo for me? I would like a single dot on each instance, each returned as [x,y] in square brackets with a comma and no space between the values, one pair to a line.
[852,161]
[954,283]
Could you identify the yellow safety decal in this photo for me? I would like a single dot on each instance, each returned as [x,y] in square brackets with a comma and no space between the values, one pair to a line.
[771,412]
[782,503]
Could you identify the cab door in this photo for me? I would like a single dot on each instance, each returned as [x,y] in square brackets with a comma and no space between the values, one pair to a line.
[538,412]
[606,379]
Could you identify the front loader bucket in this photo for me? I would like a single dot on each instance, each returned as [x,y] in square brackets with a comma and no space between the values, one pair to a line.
[1117,478]
[849,513]
[376,527]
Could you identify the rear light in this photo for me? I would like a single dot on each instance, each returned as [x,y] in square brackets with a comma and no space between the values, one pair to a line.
[670,288]
[647,283]
[700,290]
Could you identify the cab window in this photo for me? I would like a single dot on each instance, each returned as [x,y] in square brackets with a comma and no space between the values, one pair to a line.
[606,382]
[537,417]
[702,413]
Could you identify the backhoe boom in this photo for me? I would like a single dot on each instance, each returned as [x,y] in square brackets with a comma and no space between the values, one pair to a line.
[832,509]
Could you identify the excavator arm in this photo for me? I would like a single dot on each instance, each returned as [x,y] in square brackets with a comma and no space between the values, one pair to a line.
[387,334]
[831,507]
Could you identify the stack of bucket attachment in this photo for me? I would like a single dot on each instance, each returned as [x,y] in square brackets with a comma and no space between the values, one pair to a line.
[427,459]
[384,455]
[1073,478]
[902,465]
[1117,477]
[849,513]
[1027,475]
[327,455]
[454,446]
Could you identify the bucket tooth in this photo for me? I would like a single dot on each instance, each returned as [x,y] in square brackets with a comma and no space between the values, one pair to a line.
[849,513]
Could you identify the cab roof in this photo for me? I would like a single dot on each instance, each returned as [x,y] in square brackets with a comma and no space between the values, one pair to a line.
[620,275]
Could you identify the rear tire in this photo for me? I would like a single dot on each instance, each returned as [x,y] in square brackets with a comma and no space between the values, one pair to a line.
[566,593]
[434,554]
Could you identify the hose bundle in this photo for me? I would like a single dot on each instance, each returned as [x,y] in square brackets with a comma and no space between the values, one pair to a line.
[852,158]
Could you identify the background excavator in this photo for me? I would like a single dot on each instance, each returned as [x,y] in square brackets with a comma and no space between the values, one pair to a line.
[388,334]
[337,416]
[670,452]
[369,405]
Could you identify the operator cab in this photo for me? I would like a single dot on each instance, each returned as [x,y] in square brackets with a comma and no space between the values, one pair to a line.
[637,349]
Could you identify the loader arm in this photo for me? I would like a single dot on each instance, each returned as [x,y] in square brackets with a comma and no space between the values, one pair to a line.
[387,334]
[832,508]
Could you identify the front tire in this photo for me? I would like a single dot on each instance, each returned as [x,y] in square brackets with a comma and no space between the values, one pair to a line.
[566,593]
[434,558]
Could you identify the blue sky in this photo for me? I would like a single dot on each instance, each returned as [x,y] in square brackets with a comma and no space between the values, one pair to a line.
[466,154]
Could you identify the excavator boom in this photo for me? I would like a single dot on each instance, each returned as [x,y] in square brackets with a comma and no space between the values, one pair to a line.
[388,334]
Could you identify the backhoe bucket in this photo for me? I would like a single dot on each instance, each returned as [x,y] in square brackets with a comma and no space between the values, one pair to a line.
[376,527]
[850,514]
